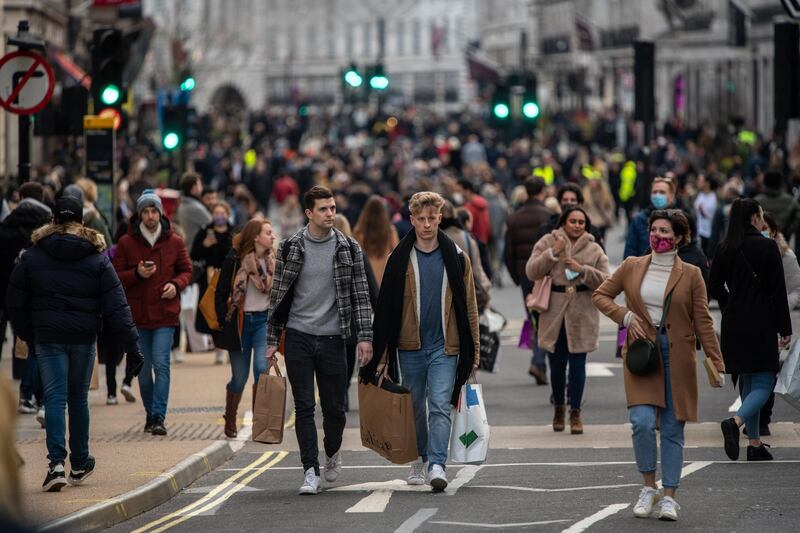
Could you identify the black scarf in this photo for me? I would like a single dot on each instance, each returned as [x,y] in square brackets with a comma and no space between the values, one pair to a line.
[388,312]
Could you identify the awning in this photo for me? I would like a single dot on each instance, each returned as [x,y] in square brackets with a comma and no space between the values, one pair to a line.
[480,71]
[70,67]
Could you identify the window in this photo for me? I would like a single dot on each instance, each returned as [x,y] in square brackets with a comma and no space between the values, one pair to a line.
[272,43]
[348,41]
[417,30]
[312,43]
[424,91]
[367,39]
[451,86]
[401,38]
[330,33]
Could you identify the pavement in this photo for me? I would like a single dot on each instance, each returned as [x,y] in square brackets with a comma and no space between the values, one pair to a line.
[127,458]
[534,479]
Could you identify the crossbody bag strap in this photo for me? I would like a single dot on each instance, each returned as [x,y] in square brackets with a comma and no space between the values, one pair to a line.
[752,270]
[667,303]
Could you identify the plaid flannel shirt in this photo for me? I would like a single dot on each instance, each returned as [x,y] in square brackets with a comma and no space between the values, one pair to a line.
[350,279]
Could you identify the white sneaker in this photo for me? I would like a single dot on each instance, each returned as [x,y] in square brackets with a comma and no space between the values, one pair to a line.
[112,400]
[668,509]
[647,500]
[333,467]
[128,393]
[219,357]
[416,476]
[40,417]
[177,356]
[310,483]
[437,478]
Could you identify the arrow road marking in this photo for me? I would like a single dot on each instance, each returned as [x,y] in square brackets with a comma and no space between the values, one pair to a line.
[416,520]
[583,525]
[381,491]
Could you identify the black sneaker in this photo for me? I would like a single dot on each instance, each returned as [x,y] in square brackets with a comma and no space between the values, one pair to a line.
[730,433]
[148,424]
[76,477]
[158,427]
[56,478]
[759,453]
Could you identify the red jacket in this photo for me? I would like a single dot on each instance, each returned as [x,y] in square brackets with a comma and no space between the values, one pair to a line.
[479,208]
[169,254]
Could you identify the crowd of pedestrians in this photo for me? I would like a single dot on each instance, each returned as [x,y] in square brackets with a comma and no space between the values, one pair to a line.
[437,206]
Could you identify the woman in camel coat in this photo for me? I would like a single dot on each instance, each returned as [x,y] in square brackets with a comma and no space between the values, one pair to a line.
[670,392]
[570,327]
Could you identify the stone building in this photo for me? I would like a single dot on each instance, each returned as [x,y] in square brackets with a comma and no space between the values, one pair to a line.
[281,51]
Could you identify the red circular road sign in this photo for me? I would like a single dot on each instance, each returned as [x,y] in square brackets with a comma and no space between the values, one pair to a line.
[26,82]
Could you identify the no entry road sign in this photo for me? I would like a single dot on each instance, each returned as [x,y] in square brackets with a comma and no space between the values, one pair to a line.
[26,82]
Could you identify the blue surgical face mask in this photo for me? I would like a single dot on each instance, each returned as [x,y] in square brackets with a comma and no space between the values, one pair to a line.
[571,274]
[766,234]
[659,200]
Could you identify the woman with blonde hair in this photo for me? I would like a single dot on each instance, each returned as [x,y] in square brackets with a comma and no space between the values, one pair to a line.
[376,234]
[242,295]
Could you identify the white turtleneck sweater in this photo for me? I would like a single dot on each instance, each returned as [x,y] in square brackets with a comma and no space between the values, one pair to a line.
[653,286]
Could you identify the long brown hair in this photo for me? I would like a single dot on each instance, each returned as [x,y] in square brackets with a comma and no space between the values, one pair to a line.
[374,228]
[244,242]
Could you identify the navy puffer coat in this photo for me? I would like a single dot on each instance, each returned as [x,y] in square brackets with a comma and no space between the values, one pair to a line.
[63,289]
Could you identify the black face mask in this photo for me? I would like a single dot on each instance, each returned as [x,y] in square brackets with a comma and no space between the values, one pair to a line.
[564,207]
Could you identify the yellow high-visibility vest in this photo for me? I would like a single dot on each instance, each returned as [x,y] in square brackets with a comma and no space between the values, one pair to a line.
[546,173]
[591,173]
[627,175]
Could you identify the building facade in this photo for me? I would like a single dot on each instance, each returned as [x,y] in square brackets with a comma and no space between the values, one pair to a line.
[284,51]
[713,57]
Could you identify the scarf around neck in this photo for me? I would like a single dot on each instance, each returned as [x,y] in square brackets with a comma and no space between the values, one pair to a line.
[250,270]
[388,312]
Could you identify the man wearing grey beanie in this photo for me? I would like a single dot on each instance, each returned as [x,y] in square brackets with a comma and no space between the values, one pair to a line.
[154,267]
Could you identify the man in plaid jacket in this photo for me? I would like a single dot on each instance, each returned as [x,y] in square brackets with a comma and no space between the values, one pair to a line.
[319,288]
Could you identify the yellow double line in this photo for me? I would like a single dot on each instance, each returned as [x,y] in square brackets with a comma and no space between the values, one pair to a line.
[218,495]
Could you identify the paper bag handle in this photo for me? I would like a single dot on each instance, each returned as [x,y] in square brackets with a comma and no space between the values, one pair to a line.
[273,363]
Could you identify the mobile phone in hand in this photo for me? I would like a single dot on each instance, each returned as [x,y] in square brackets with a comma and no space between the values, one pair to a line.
[149,264]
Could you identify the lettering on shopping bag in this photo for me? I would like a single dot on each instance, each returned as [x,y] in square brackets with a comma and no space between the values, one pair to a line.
[371,440]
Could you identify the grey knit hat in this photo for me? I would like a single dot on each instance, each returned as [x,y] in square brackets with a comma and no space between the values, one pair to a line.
[149,198]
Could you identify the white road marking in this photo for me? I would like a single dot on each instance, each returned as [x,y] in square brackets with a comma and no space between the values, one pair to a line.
[691,468]
[209,488]
[583,525]
[463,477]
[499,526]
[735,405]
[376,502]
[532,489]
[416,520]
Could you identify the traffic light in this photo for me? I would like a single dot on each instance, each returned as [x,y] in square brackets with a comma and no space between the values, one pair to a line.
[378,80]
[173,126]
[501,105]
[109,55]
[352,77]
[187,81]
[530,103]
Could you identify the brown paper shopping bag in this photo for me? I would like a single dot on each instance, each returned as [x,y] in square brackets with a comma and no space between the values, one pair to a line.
[94,384]
[387,419]
[270,407]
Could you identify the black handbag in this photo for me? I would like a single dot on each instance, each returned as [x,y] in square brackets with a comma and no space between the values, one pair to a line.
[643,354]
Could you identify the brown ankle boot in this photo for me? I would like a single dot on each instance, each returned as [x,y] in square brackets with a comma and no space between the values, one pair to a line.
[231,407]
[575,424]
[558,418]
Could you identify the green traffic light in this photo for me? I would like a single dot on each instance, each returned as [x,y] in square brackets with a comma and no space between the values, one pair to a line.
[379,82]
[353,78]
[188,84]
[171,140]
[501,110]
[110,94]
[530,109]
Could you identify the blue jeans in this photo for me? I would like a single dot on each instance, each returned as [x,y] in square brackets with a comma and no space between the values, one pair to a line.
[755,389]
[156,345]
[558,372]
[254,339]
[66,370]
[644,419]
[539,357]
[430,376]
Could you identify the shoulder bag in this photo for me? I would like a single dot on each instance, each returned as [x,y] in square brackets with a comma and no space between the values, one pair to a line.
[643,354]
